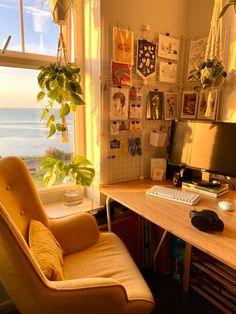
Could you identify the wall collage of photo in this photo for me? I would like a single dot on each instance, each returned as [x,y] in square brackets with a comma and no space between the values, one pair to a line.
[144,94]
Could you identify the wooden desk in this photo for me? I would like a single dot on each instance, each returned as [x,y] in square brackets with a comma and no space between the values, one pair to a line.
[174,217]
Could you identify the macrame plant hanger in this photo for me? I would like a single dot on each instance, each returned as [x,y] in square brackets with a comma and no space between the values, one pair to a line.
[214,42]
[62,53]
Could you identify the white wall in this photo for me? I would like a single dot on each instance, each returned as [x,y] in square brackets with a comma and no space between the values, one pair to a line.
[162,15]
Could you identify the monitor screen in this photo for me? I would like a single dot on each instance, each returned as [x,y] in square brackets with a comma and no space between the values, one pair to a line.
[204,145]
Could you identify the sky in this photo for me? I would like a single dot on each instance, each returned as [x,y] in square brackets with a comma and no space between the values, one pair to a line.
[41,36]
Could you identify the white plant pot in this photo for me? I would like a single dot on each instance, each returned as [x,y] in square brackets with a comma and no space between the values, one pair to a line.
[60,11]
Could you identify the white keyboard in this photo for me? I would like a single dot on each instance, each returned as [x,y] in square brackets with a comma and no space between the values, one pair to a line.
[174,194]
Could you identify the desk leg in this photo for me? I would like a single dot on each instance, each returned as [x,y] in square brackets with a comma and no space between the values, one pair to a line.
[108,213]
[187,264]
[158,249]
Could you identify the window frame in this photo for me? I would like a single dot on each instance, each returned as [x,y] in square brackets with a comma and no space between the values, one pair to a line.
[21,59]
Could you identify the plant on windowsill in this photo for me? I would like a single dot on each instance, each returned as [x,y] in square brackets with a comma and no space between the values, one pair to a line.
[79,172]
[210,73]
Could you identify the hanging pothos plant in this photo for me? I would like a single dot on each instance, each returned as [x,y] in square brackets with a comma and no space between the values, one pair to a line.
[225,8]
[209,73]
[60,84]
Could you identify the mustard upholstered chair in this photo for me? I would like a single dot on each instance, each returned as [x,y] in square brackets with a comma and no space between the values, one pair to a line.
[62,265]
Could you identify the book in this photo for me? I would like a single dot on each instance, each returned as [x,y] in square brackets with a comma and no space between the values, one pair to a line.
[210,191]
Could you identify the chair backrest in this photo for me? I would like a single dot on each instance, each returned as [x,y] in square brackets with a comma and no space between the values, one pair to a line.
[19,202]
[18,194]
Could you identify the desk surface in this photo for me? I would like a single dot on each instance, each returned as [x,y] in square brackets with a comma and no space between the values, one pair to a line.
[174,217]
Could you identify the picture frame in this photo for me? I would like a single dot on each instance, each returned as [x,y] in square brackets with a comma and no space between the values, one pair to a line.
[207,104]
[171,106]
[189,105]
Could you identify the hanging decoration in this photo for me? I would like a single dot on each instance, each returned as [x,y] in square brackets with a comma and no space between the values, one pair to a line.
[211,71]
[146,58]
[123,46]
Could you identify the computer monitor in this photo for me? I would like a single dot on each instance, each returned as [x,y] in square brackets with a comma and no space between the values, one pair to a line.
[205,146]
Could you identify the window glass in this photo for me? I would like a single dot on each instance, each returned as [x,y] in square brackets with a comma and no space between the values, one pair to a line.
[21,131]
[10,24]
[41,35]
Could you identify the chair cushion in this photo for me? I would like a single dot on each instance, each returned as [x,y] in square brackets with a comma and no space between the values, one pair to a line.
[109,258]
[46,250]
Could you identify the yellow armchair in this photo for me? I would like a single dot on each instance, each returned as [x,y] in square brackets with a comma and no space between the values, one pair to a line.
[100,275]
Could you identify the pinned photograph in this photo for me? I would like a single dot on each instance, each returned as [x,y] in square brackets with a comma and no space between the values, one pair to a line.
[135,111]
[171,106]
[121,74]
[197,51]
[155,105]
[119,103]
[123,45]
[208,100]
[189,105]
[115,125]
[168,72]
[168,47]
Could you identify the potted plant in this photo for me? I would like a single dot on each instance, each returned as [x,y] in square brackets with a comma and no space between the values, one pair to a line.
[60,10]
[210,73]
[79,172]
[60,84]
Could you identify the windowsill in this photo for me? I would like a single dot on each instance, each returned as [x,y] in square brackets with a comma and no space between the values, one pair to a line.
[58,209]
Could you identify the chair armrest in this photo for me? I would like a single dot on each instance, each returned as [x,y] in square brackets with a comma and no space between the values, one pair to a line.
[75,232]
[104,295]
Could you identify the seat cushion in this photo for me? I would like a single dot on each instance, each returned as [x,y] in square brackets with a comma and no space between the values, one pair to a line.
[109,258]
[46,250]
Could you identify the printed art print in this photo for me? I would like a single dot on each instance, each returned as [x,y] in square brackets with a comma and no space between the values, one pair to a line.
[121,74]
[207,105]
[123,46]
[155,105]
[197,50]
[119,98]
[189,105]
[168,72]
[171,106]
[168,47]
[146,58]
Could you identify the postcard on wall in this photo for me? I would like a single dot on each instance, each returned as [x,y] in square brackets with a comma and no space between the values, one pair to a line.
[189,105]
[155,105]
[146,58]
[135,111]
[123,45]
[168,72]
[168,47]
[119,98]
[197,49]
[121,74]
[114,127]
[208,100]
[171,106]
[158,169]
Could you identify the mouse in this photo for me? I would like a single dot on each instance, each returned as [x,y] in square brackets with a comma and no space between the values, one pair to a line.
[225,205]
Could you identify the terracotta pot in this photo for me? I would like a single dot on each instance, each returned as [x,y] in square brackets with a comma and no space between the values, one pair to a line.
[60,10]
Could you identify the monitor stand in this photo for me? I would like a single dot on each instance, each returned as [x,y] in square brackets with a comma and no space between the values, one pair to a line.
[205,181]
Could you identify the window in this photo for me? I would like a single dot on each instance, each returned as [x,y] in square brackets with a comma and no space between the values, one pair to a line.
[33,43]
[29,24]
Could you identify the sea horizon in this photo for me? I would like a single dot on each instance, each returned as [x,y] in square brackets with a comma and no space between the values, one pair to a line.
[23,134]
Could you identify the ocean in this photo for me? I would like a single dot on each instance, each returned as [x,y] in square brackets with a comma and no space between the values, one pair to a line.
[23,134]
